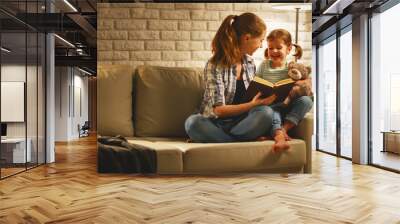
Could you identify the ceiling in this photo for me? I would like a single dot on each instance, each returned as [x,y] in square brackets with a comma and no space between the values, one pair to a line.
[77,24]
[330,15]
[73,20]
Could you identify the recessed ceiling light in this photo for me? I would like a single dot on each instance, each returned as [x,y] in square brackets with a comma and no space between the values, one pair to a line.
[292,6]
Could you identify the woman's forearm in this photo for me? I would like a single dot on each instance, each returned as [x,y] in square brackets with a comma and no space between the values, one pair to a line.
[233,110]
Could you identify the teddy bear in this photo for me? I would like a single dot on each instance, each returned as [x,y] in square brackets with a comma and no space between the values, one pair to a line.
[298,71]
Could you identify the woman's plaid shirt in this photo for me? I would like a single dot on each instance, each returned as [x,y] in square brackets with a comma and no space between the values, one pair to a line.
[221,84]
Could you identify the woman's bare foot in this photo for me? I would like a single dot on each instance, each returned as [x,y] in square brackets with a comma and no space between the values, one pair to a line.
[280,141]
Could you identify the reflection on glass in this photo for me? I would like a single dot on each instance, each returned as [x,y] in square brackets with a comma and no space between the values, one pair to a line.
[327,97]
[13,85]
[22,90]
[346,94]
[385,82]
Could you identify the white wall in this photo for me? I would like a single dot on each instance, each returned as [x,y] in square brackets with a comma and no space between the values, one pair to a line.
[16,73]
[61,103]
[71,87]
[33,127]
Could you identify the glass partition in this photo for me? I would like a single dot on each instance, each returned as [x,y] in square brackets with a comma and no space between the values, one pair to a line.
[326,136]
[346,93]
[385,89]
[15,150]
[22,89]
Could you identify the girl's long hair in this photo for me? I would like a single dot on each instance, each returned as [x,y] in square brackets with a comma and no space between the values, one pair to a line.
[225,45]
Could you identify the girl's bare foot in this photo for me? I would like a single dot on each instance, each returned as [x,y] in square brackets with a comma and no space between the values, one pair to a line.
[280,146]
[287,137]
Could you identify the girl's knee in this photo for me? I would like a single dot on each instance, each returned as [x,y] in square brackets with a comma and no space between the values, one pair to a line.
[306,100]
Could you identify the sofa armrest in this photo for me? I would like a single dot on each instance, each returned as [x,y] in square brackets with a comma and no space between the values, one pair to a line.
[304,131]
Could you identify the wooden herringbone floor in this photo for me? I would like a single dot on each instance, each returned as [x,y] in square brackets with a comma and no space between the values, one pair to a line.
[71,191]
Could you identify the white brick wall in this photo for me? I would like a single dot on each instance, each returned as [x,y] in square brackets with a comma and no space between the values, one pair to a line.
[180,34]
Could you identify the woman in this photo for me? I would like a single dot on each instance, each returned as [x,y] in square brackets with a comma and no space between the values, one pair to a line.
[223,117]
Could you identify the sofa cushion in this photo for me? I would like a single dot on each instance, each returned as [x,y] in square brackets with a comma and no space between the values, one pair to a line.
[212,158]
[164,98]
[114,100]
[239,157]
[169,157]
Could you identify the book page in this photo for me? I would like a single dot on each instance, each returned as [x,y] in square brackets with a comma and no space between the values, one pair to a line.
[263,81]
[284,82]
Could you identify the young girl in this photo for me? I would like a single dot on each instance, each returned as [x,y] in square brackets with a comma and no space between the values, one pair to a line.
[274,68]
[223,117]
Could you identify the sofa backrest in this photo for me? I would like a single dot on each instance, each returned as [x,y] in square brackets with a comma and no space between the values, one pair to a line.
[164,98]
[114,100]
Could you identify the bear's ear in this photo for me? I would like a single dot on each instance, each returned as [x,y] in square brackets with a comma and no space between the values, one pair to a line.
[308,69]
[291,64]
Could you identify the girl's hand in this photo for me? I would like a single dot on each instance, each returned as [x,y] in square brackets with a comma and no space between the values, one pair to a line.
[263,101]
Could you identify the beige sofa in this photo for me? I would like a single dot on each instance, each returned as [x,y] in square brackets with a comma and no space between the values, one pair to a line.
[149,106]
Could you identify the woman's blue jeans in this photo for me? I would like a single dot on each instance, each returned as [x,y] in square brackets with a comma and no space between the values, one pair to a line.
[247,127]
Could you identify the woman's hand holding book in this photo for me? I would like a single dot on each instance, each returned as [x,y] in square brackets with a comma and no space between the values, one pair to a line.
[257,100]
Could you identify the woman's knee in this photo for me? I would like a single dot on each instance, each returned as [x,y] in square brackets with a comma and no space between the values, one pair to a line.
[262,108]
[264,113]
[194,123]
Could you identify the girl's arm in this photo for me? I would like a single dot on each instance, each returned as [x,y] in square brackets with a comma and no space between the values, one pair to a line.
[233,110]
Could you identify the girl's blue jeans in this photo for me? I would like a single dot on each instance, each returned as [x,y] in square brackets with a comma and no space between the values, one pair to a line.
[294,113]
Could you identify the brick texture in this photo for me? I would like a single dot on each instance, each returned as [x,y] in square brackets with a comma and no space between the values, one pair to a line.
[180,34]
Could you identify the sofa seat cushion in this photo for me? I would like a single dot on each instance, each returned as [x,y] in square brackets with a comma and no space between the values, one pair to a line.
[239,157]
[210,158]
[169,157]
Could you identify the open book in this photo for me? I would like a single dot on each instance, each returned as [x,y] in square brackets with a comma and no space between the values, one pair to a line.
[281,89]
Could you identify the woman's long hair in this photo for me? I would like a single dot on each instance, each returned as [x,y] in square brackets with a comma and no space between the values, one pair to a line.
[225,45]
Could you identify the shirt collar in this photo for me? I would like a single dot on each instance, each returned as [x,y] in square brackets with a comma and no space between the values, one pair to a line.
[247,58]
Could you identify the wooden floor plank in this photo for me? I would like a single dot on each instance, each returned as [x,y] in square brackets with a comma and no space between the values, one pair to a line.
[71,191]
